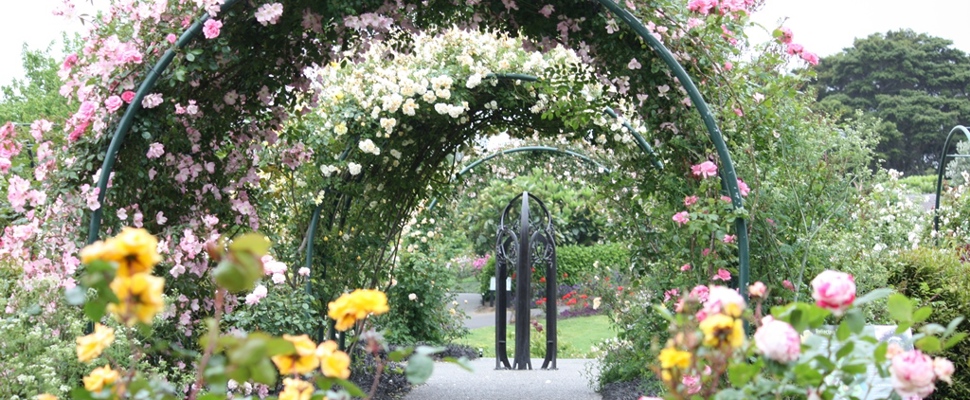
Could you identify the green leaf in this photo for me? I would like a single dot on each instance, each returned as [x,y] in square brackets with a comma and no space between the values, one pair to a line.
[952,326]
[400,354]
[428,350]
[189,57]
[922,314]
[251,242]
[872,296]
[843,332]
[277,346]
[929,344]
[845,350]
[855,320]
[351,388]
[900,308]
[419,369]
[740,374]
[880,353]
[95,310]
[463,362]
[264,372]
[855,369]
[953,340]
[805,375]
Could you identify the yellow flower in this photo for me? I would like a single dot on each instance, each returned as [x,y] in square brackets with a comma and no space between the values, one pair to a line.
[333,363]
[357,305]
[97,379]
[133,250]
[673,358]
[139,298]
[302,360]
[295,389]
[45,396]
[721,329]
[90,346]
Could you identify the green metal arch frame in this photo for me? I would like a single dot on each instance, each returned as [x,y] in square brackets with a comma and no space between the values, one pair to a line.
[728,174]
[941,169]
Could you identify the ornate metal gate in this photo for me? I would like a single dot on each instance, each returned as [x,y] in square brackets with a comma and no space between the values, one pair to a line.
[529,243]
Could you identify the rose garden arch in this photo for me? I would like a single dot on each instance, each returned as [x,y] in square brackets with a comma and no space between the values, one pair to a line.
[181,49]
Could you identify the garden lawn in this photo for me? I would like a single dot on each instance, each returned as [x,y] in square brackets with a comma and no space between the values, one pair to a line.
[576,336]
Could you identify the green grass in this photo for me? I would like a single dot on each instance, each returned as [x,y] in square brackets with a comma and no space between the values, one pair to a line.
[920,183]
[576,336]
[468,284]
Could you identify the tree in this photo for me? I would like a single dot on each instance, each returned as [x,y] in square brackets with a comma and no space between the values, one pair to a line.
[916,83]
[36,96]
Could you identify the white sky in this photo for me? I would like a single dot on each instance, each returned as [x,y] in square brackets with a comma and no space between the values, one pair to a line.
[822,26]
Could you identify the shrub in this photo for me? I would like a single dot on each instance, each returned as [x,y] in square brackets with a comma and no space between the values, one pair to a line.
[937,278]
[576,264]
[423,309]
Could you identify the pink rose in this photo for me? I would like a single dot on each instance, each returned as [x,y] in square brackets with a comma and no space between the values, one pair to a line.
[912,375]
[705,169]
[171,38]
[211,28]
[788,285]
[681,218]
[757,289]
[692,383]
[729,238]
[722,275]
[724,300]
[834,291]
[810,57]
[128,96]
[743,188]
[685,267]
[786,35]
[113,103]
[777,340]
[700,292]
[689,201]
[943,369]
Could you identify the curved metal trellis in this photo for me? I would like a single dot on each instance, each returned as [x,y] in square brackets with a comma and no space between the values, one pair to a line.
[728,175]
[941,169]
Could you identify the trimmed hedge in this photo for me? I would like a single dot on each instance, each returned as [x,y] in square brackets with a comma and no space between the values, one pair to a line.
[936,277]
[576,264]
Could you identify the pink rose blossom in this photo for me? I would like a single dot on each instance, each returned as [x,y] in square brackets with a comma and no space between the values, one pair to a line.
[700,292]
[155,150]
[38,128]
[689,201]
[722,275]
[705,169]
[692,383]
[834,291]
[743,188]
[795,48]
[211,28]
[152,100]
[171,38]
[547,10]
[726,199]
[160,218]
[269,14]
[777,340]
[258,294]
[788,285]
[69,62]
[786,35]
[706,251]
[912,375]
[681,218]
[128,96]
[685,267]
[723,299]
[728,66]
[113,103]
[303,271]
[757,289]
[810,57]
[729,238]
[670,293]
[943,369]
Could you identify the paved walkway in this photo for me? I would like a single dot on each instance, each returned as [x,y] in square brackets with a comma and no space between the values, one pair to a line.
[451,382]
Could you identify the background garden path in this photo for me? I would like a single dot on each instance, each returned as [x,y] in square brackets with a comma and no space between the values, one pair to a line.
[451,382]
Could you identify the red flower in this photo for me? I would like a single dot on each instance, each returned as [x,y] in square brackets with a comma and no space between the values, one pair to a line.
[542,280]
[571,302]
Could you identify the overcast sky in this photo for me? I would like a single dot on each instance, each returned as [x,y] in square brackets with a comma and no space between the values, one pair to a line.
[822,26]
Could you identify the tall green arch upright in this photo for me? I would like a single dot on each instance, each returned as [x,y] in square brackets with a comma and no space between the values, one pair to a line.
[728,175]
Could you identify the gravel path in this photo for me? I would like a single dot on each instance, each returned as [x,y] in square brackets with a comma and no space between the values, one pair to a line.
[451,382]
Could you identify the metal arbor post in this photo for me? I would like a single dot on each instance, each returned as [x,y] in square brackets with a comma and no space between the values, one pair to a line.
[942,169]
[530,244]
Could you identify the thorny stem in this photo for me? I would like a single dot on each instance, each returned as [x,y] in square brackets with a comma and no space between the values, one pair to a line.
[210,347]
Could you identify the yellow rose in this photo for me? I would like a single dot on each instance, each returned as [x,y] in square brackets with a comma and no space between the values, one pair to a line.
[333,363]
[90,346]
[133,250]
[295,389]
[99,378]
[303,360]
[355,306]
[139,298]
[673,358]
[721,329]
